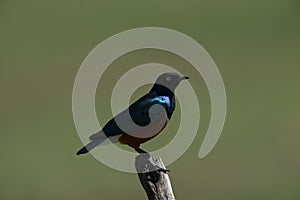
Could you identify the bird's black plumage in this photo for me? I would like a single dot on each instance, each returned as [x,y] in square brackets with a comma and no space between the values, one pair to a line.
[162,93]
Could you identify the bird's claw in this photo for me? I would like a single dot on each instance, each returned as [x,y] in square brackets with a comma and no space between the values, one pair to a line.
[163,170]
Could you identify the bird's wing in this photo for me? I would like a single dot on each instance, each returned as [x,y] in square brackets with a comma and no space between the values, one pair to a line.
[138,113]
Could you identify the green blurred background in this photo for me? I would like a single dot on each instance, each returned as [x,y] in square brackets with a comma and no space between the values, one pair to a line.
[256,45]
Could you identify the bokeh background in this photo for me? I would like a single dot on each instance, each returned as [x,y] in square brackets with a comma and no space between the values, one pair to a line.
[255,44]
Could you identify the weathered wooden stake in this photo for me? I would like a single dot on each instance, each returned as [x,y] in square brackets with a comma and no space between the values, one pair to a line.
[154,177]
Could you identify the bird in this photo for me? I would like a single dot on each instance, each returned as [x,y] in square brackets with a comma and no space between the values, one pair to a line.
[140,122]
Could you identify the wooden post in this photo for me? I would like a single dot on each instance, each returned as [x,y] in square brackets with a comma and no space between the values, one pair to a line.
[154,177]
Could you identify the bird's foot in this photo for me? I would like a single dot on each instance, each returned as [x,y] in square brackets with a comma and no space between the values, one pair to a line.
[163,170]
[140,151]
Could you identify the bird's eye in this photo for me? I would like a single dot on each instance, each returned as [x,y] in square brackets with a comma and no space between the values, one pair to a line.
[168,78]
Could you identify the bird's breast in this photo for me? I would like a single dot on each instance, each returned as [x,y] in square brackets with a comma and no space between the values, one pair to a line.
[143,134]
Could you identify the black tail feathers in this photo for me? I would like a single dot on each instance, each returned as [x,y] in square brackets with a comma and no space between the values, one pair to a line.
[89,146]
[83,150]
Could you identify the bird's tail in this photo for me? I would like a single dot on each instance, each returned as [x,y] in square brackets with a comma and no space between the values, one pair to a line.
[96,139]
[88,147]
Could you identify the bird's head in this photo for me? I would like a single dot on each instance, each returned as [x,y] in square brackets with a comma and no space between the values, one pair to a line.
[170,80]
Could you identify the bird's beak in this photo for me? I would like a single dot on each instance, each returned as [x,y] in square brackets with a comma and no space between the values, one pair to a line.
[184,77]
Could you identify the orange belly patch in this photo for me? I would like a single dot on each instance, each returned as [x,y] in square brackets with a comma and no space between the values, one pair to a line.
[135,142]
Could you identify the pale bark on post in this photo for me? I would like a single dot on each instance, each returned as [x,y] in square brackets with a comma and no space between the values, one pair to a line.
[153,178]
